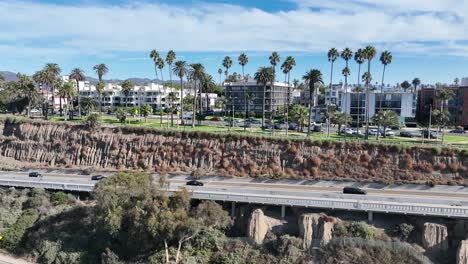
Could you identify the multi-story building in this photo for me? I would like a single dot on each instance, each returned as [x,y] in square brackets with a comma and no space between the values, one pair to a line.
[394,99]
[236,94]
[457,106]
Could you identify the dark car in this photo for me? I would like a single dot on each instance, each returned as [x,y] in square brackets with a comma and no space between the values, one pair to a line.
[406,134]
[293,126]
[209,112]
[280,125]
[35,174]
[195,183]
[97,177]
[426,134]
[458,131]
[353,190]
[317,129]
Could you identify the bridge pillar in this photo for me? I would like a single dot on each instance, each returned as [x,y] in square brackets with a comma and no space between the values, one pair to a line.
[370,217]
[233,209]
[283,211]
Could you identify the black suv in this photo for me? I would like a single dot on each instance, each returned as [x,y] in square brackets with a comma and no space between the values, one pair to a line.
[195,183]
[35,174]
[97,177]
[353,190]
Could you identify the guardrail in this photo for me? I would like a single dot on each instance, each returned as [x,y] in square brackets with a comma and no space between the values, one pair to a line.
[313,202]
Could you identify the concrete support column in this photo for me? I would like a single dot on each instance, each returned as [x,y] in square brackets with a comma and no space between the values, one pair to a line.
[370,216]
[233,209]
[283,211]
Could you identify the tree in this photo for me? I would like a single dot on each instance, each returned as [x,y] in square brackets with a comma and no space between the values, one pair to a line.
[416,82]
[332,55]
[341,119]
[25,87]
[121,114]
[160,64]
[386,119]
[127,87]
[264,76]
[220,72]
[197,74]
[249,96]
[68,91]
[170,57]
[405,85]
[213,215]
[443,95]
[101,70]
[172,98]
[346,55]
[154,55]
[146,110]
[369,54]
[88,104]
[311,78]
[93,120]
[456,81]
[274,60]
[99,89]
[286,67]
[243,60]
[78,75]
[386,59]
[227,63]
[299,114]
[180,69]
[359,58]
[440,118]
[48,77]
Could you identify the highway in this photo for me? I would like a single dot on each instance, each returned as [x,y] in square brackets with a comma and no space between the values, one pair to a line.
[449,201]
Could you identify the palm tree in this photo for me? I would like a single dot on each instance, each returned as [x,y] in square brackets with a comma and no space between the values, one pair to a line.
[197,74]
[300,114]
[311,78]
[295,83]
[101,70]
[160,64]
[78,75]
[88,104]
[227,63]
[369,54]
[127,87]
[405,85]
[248,99]
[385,58]
[264,75]
[243,60]
[332,55]
[68,91]
[170,57]
[274,60]
[359,58]
[26,87]
[48,76]
[346,55]
[416,82]
[154,55]
[172,98]
[99,89]
[286,67]
[220,72]
[180,69]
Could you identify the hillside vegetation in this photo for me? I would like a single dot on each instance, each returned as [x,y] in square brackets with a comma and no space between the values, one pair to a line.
[50,144]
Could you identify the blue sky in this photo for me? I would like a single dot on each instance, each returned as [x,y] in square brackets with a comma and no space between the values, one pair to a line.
[428,38]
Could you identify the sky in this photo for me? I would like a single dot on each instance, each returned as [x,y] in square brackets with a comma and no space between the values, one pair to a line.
[428,38]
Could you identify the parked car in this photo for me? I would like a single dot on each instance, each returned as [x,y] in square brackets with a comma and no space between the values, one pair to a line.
[317,128]
[195,183]
[280,125]
[216,118]
[254,121]
[187,115]
[97,177]
[458,131]
[406,134]
[426,134]
[35,174]
[209,112]
[373,132]
[389,133]
[293,126]
[353,190]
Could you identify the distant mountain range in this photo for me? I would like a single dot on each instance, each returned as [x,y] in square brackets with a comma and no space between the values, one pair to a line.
[11,76]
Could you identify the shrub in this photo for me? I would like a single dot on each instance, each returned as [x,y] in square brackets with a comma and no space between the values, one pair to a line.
[121,114]
[403,231]
[59,198]
[93,120]
[362,230]
[15,232]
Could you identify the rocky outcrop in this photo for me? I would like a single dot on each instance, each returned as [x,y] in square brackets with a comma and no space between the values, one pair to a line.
[434,237]
[462,252]
[258,226]
[316,229]
[49,144]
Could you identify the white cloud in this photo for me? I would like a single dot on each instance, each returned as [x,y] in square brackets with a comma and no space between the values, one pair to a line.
[406,26]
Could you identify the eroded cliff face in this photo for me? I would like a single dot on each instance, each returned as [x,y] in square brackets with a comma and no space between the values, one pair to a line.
[316,229]
[61,145]
[435,237]
[462,252]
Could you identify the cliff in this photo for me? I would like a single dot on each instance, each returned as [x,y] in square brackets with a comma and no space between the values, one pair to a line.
[64,145]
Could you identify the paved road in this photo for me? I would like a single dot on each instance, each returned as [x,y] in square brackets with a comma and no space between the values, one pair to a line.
[449,195]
